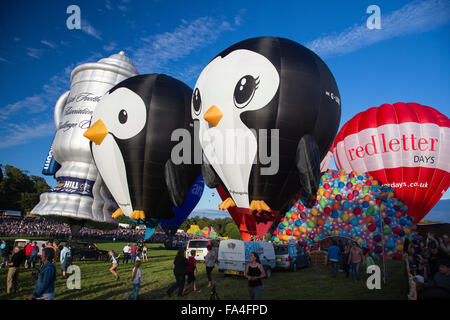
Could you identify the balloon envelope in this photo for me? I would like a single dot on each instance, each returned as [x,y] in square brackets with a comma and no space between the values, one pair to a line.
[181,213]
[271,84]
[403,145]
[131,142]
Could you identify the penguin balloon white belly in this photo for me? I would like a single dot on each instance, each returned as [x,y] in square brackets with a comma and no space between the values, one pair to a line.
[114,174]
[231,152]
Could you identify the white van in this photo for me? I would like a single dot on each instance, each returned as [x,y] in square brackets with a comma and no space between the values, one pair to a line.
[21,243]
[234,256]
[200,247]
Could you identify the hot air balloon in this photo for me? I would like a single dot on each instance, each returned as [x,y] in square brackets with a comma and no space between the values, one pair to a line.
[264,96]
[131,144]
[80,197]
[193,196]
[403,145]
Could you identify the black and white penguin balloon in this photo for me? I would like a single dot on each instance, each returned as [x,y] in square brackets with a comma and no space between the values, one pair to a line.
[131,145]
[265,83]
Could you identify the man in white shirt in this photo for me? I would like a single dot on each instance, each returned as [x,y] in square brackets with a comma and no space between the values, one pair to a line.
[126,253]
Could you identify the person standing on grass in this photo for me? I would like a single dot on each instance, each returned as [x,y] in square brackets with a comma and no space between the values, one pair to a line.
[55,248]
[12,280]
[355,258]
[210,262]
[65,259]
[179,270]
[136,276]
[133,252]
[368,258]
[254,273]
[45,285]
[144,253]
[333,257]
[192,267]
[33,255]
[4,254]
[139,251]
[28,250]
[115,263]
[345,255]
[126,253]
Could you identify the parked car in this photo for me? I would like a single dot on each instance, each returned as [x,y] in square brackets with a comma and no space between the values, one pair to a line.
[291,257]
[234,256]
[85,251]
[200,247]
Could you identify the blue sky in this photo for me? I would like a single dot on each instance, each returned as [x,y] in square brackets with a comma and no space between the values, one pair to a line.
[406,60]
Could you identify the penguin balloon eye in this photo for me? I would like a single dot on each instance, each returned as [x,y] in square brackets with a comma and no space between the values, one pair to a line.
[123,112]
[245,90]
[123,116]
[197,101]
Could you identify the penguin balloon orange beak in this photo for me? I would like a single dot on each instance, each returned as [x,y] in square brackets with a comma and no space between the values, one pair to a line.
[97,132]
[213,116]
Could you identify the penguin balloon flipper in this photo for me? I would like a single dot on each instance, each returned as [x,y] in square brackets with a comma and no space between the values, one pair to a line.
[176,182]
[308,164]
[210,177]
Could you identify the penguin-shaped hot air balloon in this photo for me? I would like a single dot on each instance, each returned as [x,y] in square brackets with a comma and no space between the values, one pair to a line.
[131,145]
[264,98]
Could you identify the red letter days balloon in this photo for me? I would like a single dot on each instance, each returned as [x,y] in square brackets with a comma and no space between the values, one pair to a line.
[268,110]
[131,144]
[404,145]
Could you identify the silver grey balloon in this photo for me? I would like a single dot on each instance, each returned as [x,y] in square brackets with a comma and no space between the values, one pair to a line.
[80,197]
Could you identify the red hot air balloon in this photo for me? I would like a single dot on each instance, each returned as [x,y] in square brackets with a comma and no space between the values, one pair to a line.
[404,145]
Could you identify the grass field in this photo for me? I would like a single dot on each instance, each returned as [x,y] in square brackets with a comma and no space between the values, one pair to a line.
[311,283]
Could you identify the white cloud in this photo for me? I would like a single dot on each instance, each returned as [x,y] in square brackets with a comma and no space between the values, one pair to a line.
[4,60]
[87,28]
[159,49]
[19,134]
[111,46]
[415,17]
[49,44]
[34,53]
[239,17]
[38,108]
[108,5]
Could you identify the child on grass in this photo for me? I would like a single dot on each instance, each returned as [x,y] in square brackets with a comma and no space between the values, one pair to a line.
[136,276]
[192,266]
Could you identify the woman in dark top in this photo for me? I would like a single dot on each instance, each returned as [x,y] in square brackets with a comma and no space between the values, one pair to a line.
[254,273]
[179,270]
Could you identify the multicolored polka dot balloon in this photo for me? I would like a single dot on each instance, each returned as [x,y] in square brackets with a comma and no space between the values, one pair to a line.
[349,205]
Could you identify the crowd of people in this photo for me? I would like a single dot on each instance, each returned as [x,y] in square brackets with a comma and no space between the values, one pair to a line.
[41,227]
[429,264]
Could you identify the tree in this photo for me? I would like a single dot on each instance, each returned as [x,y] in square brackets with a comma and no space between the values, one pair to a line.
[18,191]
[232,231]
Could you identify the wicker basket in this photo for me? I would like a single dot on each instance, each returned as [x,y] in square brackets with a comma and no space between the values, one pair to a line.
[318,257]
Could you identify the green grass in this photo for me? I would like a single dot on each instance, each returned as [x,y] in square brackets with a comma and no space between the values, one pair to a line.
[311,283]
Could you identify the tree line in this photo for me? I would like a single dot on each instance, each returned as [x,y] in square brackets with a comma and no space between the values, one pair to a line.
[20,191]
